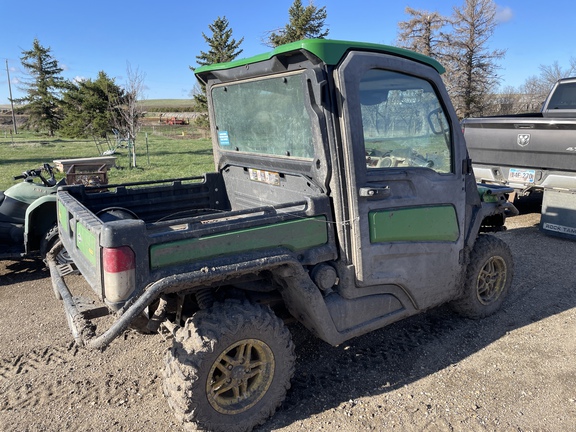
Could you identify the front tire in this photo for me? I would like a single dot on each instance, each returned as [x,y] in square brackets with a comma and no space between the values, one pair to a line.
[48,241]
[229,368]
[488,278]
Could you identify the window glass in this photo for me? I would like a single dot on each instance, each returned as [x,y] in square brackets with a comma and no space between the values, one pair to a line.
[265,116]
[564,97]
[404,123]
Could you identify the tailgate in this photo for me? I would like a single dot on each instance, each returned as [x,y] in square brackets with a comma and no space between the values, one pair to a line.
[522,142]
[80,232]
[85,236]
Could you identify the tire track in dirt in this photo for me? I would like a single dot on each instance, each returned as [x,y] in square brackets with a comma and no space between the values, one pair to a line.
[52,375]
[35,359]
[21,376]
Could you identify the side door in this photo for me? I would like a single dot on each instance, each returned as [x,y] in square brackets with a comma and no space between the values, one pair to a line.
[403,162]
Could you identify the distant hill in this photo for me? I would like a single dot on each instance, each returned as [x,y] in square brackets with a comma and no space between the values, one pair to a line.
[157,105]
[168,105]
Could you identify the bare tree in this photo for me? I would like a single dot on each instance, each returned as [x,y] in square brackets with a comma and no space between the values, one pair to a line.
[506,101]
[537,87]
[129,108]
[470,64]
[422,32]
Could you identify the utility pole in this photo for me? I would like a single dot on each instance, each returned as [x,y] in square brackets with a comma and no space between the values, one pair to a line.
[11,101]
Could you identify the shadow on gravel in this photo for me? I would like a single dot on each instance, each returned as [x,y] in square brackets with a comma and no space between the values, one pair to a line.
[409,350]
[529,204]
[22,271]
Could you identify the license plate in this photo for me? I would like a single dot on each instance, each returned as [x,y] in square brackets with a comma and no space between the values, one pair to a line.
[524,176]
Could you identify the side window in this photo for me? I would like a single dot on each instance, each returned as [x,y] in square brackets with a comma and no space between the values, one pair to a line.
[404,123]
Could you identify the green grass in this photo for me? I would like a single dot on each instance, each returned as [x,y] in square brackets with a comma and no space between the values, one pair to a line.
[169,105]
[172,153]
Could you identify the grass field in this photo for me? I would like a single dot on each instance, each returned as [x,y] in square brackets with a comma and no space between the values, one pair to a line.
[161,153]
[167,103]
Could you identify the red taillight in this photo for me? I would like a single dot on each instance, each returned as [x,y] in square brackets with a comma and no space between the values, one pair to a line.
[119,266]
[118,259]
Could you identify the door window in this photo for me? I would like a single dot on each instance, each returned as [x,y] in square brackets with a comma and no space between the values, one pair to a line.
[403,122]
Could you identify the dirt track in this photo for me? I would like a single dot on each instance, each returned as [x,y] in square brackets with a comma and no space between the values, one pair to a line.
[436,371]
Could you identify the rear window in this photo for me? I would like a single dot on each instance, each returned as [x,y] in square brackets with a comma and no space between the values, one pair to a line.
[264,116]
[564,97]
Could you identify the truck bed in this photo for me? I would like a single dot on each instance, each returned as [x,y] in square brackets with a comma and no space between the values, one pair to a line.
[183,224]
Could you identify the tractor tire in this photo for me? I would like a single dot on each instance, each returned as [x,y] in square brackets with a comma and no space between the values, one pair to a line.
[229,368]
[488,278]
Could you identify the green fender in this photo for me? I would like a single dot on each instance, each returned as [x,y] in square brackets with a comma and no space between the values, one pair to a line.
[40,217]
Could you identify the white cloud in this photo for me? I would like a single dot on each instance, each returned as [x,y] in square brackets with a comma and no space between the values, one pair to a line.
[504,14]
[80,79]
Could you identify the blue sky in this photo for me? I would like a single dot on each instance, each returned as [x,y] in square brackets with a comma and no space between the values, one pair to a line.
[162,39]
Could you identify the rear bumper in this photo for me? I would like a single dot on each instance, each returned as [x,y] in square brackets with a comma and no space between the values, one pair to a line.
[79,318]
[205,274]
[544,179]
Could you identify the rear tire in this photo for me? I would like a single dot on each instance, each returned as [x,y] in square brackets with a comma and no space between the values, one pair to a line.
[48,242]
[488,278]
[229,368]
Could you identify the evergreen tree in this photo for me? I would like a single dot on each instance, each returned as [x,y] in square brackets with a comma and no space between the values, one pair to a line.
[305,23]
[422,32]
[223,48]
[87,108]
[43,90]
[471,66]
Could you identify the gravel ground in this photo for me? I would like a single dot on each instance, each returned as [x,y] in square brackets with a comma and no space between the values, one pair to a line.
[513,371]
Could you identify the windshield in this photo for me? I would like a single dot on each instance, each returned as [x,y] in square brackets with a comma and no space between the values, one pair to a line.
[265,116]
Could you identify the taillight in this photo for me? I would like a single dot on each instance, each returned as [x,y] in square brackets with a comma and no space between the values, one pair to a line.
[119,273]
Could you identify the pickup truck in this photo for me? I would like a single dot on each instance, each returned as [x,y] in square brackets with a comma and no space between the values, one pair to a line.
[343,198]
[529,152]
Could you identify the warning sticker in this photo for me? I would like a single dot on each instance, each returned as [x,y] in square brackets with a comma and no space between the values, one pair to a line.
[268,177]
[223,138]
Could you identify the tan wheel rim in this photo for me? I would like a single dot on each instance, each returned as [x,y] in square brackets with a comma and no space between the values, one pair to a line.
[491,280]
[240,376]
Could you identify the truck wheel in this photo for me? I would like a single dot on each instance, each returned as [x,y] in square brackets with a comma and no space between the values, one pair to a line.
[488,278]
[229,368]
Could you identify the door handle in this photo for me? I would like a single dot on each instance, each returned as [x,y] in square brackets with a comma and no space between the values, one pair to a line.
[375,192]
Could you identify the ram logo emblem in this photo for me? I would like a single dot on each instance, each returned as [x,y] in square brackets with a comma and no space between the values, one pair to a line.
[523,140]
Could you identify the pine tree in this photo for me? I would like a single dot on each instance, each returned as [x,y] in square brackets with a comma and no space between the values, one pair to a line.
[43,90]
[86,108]
[305,23]
[223,48]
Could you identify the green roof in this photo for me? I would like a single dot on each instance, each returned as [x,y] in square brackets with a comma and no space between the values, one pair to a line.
[329,51]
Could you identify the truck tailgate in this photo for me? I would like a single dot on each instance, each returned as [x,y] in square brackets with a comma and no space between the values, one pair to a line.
[522,142]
